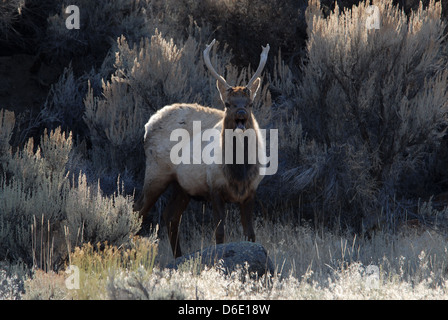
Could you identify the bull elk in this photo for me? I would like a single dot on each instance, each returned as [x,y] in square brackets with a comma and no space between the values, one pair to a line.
[219,182]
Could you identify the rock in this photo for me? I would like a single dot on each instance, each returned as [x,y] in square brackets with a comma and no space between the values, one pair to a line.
[228,256]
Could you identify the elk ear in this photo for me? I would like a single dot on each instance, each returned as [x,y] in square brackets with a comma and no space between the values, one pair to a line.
[254,88]
[222,88]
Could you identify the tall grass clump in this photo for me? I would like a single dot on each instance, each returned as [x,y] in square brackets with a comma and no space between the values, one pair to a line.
[373,106]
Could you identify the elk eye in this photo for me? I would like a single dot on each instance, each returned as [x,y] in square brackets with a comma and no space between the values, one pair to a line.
[227,105]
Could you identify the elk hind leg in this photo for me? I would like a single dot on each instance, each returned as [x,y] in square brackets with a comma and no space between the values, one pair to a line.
[218,205]
[247,209]
[152,190]
[172,215]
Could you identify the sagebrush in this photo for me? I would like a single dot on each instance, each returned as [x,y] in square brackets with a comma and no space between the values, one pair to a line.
[45,208]
[373,105]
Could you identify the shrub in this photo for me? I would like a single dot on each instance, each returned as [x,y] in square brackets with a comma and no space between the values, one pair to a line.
[43,210]
[45,286]
[64,106]
[9,12]
[22,24]
[373,104]
[98,264]
[244,25]
[9,286]
[101,22]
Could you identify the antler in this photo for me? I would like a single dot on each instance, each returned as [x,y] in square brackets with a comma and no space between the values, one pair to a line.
[263,58]
[210,67]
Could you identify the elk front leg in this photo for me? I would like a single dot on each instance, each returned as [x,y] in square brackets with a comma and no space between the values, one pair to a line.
[247,209]
[172,215]
[219,216]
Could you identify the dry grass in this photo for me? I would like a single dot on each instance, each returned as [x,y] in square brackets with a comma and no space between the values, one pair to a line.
[324,265]
[310,265]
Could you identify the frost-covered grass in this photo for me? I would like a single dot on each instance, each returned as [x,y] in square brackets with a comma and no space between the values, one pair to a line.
[310,265]
[411,265]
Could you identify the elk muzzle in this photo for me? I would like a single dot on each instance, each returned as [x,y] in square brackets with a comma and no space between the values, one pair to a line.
[241,119]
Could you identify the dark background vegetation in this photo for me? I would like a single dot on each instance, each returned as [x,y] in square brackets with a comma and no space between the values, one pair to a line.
[33,55]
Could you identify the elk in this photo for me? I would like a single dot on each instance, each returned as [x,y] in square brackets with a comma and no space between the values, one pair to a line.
[218,183]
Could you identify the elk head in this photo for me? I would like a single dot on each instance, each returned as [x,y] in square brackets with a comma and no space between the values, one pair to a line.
[237,100]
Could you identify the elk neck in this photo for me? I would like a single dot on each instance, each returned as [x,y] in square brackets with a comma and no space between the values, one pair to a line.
[240,176]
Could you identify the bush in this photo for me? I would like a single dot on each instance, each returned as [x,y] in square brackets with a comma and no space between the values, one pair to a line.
[44,209]
[102,22]
[9,12]
[244,25]
[99,264]
[373,105]
[23,23]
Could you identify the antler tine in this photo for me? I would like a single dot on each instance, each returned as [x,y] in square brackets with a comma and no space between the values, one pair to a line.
[210,67]
[263,59]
